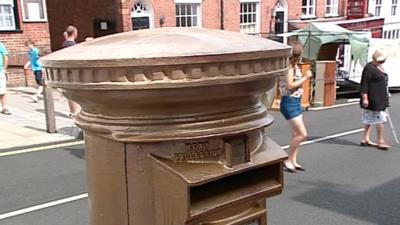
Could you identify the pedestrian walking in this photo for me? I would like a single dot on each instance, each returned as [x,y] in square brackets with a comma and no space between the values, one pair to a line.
[290,87]
[374,100]
[3,79]
[70,36]
[36,66]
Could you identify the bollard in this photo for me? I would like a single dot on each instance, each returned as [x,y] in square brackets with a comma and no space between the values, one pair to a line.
[175,133]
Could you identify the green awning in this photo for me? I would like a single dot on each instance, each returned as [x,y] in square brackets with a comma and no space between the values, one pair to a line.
[316,34]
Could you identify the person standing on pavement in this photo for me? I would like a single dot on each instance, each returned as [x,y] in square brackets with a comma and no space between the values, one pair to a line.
[36,66]
[70,35]
[374,100]
[3,79]
[290,87]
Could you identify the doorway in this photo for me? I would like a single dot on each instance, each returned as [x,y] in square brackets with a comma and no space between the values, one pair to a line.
[142,15]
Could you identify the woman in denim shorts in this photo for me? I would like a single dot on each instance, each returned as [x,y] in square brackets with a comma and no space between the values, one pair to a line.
[290,87]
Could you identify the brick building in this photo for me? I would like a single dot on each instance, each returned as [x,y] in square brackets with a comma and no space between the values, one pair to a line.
[97,18]
[24,19]
[390,10]
[351,14]
[21,20]
[303,12]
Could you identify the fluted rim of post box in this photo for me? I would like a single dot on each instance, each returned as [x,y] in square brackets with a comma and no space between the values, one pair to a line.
[165,47]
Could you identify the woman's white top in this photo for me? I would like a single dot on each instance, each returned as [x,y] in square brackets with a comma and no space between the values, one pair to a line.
[283,86]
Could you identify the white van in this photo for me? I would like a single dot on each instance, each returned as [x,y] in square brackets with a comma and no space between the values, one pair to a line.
[391,66]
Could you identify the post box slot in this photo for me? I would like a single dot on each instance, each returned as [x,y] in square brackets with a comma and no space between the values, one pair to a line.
[257,183]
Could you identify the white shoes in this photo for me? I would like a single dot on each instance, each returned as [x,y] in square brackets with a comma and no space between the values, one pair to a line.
[34,98]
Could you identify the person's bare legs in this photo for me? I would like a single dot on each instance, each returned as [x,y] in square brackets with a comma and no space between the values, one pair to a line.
[4,107]
[380,128]
[3,101]
[367,133]
[74,108]
[299,133]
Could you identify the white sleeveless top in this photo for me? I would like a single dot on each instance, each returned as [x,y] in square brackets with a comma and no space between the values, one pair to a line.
[283,87]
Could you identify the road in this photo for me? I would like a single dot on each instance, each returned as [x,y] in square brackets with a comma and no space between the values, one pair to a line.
[344,184]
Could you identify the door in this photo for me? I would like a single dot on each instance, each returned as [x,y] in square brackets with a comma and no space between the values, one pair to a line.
[279,22]
[142,15]
[140,23]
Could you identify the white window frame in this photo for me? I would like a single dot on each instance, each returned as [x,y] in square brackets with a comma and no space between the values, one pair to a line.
[307,7]
[192,3]
[333,6]
[147,11]
[26,14]
[7,4]
[252,27]
[378,7]
[394,7]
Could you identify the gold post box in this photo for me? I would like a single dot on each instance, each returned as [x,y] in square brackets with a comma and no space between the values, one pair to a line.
[174,127]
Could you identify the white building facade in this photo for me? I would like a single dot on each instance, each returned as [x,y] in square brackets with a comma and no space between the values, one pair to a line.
[390,10]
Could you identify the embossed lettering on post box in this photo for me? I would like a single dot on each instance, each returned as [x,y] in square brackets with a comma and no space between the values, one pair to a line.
[198,150]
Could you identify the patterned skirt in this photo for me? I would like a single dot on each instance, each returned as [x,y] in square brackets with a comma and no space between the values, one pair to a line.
[373,117]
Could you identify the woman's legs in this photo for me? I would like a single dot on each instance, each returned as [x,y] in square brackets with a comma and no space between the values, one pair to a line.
[367,133]
[299,133]
[380,135]
[74,108]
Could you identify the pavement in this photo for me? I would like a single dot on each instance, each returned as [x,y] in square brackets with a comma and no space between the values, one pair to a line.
[26,127]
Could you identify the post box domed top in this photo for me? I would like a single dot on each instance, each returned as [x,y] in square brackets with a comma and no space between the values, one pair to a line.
[165,46]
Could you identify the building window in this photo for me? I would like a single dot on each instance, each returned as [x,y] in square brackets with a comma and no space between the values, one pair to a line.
[7,18]
[378,7]
[188,14]
[394,7]
[308,9]
[34,10]
[332,8]
[250,17]
[142,15]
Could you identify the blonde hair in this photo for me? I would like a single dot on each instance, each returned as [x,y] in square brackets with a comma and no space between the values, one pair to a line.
[379,55]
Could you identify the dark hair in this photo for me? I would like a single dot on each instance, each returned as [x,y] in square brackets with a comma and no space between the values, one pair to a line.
[297,51]
[29,42]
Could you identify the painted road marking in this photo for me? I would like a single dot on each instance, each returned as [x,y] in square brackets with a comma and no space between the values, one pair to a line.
[328,137]
[81,196]
[42,206]
[42,148]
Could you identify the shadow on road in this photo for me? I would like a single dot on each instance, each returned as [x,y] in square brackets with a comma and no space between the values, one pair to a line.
[76,151]
[379,205]
[58,114]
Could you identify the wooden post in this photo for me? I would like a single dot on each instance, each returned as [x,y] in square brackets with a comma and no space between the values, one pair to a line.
[26,73]
[305,99]
[49,109]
